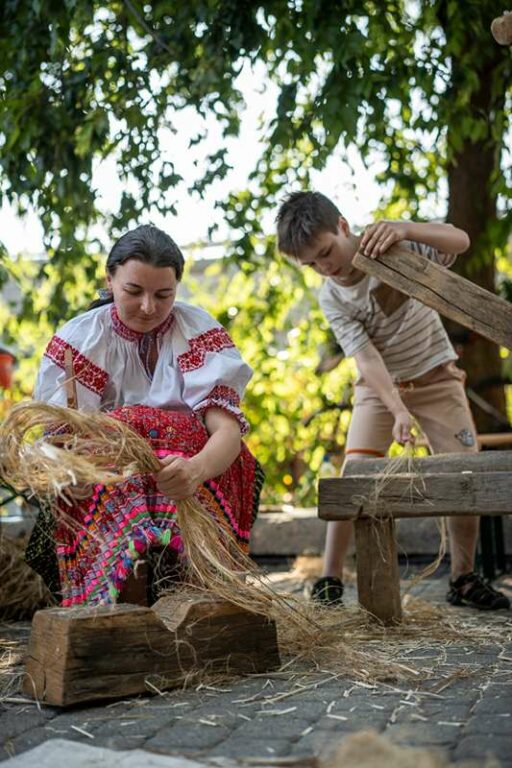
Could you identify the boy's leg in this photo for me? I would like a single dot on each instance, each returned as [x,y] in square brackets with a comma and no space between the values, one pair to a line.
[369,436]
[440,404]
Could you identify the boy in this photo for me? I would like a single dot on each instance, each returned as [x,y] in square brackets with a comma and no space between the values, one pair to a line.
[405,362]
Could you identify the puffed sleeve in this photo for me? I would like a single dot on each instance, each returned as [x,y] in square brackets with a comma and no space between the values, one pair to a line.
[214,374]
[84,337]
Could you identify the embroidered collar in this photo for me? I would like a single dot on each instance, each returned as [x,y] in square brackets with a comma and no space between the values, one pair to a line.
[127,333]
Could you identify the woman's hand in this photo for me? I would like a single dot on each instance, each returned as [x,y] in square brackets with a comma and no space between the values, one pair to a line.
[379,237]
[402,427]
[179,477]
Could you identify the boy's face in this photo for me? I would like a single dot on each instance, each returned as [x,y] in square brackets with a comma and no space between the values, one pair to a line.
[330,254]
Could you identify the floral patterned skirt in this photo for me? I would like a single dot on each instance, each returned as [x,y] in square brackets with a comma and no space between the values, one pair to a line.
[98,540]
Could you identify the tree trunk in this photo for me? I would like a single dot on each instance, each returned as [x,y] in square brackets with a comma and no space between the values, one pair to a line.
[472,206]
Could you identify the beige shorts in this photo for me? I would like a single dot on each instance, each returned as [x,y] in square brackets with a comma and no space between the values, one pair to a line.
[437,400]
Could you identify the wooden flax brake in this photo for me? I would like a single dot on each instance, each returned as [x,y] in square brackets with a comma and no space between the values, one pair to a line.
[450,484]
[447,484]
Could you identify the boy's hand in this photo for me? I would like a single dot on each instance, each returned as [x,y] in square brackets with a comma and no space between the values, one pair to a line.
[379,237]
[402,427]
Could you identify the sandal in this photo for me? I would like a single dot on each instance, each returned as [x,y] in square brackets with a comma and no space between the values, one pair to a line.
[479,594]
[328,590]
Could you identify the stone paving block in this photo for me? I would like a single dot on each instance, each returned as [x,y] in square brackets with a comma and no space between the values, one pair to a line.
[273,728]
[423,734]
[353,720]
[191,736]
[475,747]
[492,725]
[13,722]
[27,740]
[320,741]
[240,748]
[494,704]
[217,713]
[147,722]
[91,715]
[453,710]
[122,741]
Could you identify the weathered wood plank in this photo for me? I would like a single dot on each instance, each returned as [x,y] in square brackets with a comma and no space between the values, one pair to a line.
[378,579]
[437,287]
[444,463]
[91,653]
[431,495]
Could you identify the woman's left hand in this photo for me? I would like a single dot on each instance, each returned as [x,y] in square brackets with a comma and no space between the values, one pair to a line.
[179,477]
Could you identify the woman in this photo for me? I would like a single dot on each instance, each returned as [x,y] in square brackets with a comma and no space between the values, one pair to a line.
[172,373]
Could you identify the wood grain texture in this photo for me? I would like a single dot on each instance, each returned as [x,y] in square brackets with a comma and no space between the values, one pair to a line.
[444,463]
[92,653]
[450,294]
[378,579]
[477,493]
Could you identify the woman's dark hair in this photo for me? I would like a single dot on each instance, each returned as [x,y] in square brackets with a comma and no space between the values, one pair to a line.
[147,244]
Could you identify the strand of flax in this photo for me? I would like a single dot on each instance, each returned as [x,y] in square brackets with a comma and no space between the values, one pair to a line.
[55,452]
[405,465]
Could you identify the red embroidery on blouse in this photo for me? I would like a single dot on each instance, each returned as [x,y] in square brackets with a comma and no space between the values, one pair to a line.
[127,333]
[223,394]
[86,372]
[227,398]
[212,341]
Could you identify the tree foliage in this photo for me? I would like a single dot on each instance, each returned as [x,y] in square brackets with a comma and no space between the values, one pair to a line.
[420,88]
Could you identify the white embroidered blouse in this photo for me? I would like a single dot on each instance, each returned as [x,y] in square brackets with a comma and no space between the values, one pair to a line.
[198,365]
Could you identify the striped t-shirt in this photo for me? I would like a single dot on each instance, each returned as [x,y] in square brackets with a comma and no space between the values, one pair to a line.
[410,336]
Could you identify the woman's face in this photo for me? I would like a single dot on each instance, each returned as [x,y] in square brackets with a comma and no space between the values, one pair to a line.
[143,294]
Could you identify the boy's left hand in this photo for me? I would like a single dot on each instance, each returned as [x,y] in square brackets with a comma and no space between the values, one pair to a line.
[379,237]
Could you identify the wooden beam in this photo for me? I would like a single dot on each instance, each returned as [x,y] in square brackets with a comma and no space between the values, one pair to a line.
[476,493]
[93,653]
[437,287]
[442,463]
[492,439]
[378,579]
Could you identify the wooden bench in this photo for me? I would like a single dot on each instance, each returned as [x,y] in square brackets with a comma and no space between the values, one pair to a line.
[450,484]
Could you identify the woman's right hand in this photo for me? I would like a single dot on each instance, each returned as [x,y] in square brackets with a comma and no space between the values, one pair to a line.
[402,427]
[179,477]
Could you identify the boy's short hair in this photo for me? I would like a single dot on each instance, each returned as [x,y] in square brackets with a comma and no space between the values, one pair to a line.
[301,218]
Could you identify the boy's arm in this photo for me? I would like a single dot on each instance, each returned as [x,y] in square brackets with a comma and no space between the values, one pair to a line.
[373,370]
[445,238]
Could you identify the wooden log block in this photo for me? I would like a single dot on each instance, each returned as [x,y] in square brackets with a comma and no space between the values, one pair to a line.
[378,579]
[437,287]
[443,463]
[91,653]
[222,636]
[477,493]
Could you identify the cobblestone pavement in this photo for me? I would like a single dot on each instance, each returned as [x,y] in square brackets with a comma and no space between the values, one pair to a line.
[463,708]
